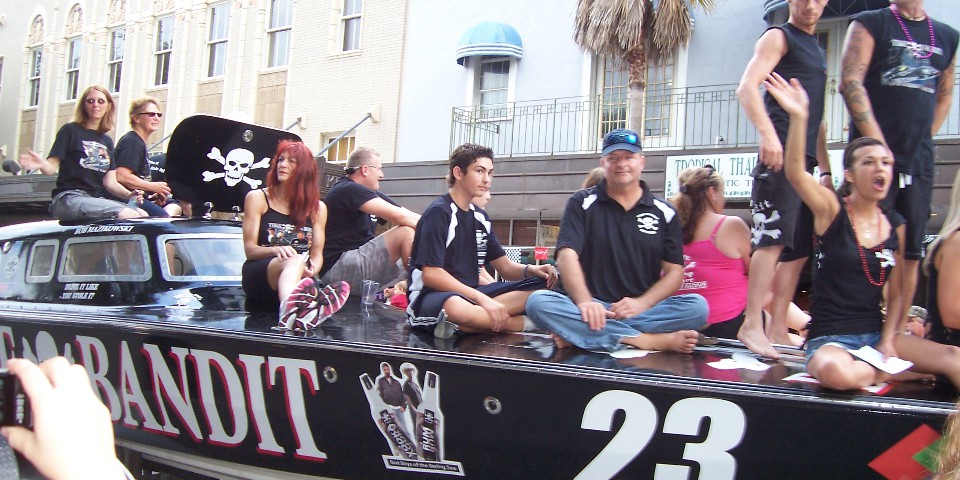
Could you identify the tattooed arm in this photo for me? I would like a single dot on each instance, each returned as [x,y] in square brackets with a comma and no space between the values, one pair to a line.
[944,96]
[857,52]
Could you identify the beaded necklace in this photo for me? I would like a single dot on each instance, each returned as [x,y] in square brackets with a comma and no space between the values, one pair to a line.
[863,256]
[933,38]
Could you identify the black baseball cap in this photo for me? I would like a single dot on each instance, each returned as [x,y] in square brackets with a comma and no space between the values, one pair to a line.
[621,139]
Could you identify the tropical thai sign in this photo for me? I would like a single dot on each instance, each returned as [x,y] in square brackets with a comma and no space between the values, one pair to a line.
[735,169]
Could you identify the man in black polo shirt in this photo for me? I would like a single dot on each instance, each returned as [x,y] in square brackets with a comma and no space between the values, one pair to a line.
[351,252]
[615,240]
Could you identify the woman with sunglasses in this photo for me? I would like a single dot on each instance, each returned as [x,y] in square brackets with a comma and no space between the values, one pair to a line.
[130,161]
[283,238]
[858,248]
[80,156]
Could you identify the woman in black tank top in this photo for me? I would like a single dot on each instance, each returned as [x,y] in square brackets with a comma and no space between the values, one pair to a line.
[858,248]
[283,236]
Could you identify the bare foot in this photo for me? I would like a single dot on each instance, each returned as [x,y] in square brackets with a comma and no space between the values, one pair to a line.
[782,338]
[682,341]
[757,342]
[561,343]
[911,376]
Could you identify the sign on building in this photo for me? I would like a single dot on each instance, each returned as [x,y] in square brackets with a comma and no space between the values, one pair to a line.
[735,169]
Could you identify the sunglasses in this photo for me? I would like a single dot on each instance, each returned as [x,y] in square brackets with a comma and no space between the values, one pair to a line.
[710,169]
[622,138]
[91,101]
[152,114]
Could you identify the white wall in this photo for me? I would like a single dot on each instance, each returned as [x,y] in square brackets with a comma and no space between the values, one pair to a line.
[433,83]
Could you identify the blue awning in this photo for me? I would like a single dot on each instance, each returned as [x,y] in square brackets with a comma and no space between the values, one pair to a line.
[490,39]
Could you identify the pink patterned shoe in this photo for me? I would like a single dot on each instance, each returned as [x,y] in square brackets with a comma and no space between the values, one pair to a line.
[331,299]
[300,310]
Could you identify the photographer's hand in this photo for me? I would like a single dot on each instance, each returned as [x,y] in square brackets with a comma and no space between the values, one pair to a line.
[72,435]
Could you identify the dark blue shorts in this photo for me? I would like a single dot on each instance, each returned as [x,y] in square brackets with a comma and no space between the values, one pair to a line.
[428,308]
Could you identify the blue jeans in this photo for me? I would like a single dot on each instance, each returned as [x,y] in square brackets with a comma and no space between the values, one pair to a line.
[148,206]
[557,313]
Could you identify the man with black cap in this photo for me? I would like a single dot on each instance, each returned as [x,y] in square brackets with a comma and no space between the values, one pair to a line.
[615,240]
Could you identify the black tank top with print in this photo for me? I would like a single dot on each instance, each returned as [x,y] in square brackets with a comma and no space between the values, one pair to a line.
[844,301]
[277,229]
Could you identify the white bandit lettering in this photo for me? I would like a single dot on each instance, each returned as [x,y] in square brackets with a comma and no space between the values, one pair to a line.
[727,428]
[292,370]
[206,362]
[171,390]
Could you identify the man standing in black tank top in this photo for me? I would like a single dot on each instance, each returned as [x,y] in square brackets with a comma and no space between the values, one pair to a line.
[782,225]
[897,81]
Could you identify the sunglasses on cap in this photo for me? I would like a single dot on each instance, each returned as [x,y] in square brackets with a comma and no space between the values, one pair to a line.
[622,137]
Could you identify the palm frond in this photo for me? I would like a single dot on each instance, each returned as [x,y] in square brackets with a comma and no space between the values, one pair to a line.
[705,5]
[672,27]
[630,31]
[610,27]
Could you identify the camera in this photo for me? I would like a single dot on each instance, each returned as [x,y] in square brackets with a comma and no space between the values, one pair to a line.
[14,404]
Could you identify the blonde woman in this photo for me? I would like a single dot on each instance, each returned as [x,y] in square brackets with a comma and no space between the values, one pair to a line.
[80,156]
[942,267]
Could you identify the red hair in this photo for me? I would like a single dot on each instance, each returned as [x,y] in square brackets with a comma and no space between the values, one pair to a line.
[302,190]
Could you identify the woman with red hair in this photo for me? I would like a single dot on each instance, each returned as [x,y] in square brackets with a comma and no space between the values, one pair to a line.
[283,238]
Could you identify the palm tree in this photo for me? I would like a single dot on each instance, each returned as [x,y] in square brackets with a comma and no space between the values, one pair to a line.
[636,31]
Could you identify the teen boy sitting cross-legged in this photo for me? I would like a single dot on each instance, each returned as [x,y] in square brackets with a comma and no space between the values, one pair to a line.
[454,239]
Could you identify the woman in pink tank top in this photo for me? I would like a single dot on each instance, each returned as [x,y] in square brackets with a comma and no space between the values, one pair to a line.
[716,250]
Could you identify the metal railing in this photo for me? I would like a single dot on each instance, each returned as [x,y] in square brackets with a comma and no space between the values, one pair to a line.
[676,119]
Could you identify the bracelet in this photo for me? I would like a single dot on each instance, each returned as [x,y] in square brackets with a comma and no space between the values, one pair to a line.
[525,268]
[824,174]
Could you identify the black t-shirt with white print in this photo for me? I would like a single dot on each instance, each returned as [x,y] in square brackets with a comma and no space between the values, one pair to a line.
[84,159]
[902,85]
[620,250]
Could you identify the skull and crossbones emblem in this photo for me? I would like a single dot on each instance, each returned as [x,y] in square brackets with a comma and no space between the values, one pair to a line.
[760,222]
[886,258]
[236,166]
[648,223]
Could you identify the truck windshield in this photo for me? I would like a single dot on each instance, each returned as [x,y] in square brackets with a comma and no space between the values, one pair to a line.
[202,257]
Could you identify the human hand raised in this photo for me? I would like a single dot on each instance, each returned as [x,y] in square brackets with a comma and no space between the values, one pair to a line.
[790,95]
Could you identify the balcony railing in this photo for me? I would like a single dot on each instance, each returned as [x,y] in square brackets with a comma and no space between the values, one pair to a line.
[677,119]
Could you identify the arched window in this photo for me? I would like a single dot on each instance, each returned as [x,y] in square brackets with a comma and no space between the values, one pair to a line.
[118,11]
[36,59]
[74,50]
[75,21]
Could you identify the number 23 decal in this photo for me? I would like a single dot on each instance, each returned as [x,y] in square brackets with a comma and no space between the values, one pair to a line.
[727,427]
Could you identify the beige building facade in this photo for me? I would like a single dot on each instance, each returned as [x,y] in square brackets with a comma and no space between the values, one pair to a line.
[316,67]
